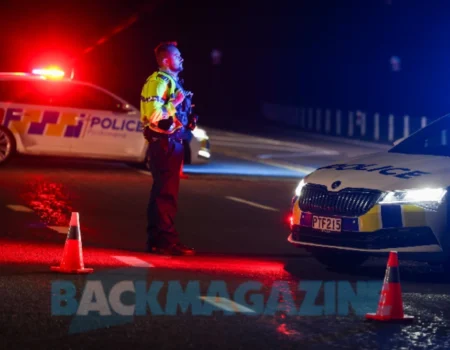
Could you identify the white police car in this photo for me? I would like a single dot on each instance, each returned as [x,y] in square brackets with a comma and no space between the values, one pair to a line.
[396,200]
[43,113]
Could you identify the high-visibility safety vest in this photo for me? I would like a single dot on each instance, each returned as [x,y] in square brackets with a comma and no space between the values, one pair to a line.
[156,94]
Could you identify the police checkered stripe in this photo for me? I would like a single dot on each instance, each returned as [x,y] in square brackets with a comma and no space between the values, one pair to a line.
[152,98]
[392,216]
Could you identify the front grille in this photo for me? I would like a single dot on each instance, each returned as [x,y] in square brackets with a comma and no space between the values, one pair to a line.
[347,202]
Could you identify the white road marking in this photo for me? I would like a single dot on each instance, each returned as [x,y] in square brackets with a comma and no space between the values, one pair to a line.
[302,169]
[226,304]
[233,139]
[257,205]
[297,154]
[21,208]
[60,229]
[248,145]
[133,261]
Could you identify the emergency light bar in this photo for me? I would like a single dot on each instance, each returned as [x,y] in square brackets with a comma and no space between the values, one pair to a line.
[49,72]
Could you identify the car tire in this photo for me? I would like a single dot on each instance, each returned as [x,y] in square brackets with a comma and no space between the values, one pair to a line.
[339,261]
[7,145]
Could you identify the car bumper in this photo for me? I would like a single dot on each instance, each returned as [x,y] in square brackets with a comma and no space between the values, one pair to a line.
[411,240]
[409,230]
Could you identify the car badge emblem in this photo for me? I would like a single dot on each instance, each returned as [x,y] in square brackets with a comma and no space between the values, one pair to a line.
[335,184]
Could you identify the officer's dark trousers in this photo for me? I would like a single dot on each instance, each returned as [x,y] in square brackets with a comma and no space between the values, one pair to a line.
[166,162]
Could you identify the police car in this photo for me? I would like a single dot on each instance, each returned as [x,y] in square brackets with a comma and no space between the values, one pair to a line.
[397,200]
[44,113]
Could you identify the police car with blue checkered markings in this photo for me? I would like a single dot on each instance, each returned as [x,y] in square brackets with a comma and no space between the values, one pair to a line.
[397,200]
[44,113]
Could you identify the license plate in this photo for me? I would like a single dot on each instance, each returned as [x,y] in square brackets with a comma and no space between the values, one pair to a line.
[327,224]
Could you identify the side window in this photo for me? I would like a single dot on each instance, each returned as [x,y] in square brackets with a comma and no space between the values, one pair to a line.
[444,138]
[56,94]
[431,140]
[52,93]
[22,91]
[8,90]
[88,97]
[74,95]
[440,139]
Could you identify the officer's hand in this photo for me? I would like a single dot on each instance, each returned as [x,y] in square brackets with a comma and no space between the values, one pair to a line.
[165,124]
[179,98]
[192,121]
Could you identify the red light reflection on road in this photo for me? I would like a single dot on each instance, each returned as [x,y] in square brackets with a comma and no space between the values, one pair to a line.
[283,329]
[30,253]
[50,200]
[256,267]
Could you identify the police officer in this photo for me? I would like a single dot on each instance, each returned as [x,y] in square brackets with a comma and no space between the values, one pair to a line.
[165,128]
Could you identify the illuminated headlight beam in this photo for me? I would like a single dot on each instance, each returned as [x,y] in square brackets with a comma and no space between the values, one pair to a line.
[423,196]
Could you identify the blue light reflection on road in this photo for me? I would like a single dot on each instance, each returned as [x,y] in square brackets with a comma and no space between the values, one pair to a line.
[230,166]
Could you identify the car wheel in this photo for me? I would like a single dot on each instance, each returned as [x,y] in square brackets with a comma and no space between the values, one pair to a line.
[7,145]
[340,261]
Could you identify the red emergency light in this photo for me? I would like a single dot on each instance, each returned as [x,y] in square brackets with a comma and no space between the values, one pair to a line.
[290,221]
[51,72]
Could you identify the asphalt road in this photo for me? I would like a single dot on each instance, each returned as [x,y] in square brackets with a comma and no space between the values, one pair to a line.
[234,211]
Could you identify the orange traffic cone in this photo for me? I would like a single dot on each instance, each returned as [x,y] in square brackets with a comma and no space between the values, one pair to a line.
[182,175]
[390,306]
[72,260]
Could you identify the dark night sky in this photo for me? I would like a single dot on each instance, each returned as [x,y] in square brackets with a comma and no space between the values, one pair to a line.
[331,53]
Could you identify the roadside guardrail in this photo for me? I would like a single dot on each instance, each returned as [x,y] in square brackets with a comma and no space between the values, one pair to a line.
[354,124]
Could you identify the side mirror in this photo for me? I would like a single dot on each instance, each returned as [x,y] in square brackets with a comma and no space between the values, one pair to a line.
[396,142]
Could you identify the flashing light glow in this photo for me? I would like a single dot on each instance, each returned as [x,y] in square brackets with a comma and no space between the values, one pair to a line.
[51,72]
[203,153]
[199,134]
[416,195]
[291,221]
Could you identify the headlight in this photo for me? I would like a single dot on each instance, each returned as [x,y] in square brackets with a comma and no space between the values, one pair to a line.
[298,190]
[199,134]
[426,197]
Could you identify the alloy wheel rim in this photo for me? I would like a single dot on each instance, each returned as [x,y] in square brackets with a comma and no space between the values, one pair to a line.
[5,146]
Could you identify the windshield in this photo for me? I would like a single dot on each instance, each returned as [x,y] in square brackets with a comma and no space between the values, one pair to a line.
[432,140]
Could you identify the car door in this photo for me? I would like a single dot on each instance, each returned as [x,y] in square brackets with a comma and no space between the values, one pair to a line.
[39,126]
[111,128]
